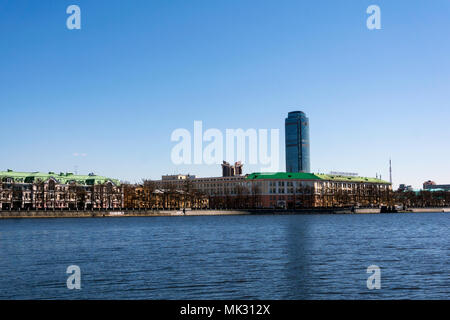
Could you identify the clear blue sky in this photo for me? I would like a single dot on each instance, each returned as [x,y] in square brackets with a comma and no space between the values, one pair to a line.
[137,70]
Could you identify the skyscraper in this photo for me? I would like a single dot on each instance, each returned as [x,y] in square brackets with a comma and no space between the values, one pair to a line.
[297,142]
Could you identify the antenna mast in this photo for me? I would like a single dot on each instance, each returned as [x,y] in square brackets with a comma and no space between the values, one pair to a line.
[390,171]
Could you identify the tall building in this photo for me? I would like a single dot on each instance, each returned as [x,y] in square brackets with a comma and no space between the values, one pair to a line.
[238,168]
[297,142]
[230,171]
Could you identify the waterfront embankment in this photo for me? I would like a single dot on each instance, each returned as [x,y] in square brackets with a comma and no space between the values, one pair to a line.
[126,213]
[13,214]
[428,210]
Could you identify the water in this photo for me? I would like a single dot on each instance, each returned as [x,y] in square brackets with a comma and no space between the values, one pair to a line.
[227,257]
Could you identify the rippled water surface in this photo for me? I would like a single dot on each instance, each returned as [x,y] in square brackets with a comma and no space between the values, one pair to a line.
[227,257]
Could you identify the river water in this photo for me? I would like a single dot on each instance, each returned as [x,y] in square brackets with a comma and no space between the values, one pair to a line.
[227,257]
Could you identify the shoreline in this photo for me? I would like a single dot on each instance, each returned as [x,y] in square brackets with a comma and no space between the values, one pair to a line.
[178,213]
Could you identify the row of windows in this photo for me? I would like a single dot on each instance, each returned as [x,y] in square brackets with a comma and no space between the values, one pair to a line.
[325,184]
[288,183]
[213,185]
[221,191]
[288,190]
[273,198]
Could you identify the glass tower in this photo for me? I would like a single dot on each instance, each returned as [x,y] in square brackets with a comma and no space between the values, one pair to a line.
[297,142]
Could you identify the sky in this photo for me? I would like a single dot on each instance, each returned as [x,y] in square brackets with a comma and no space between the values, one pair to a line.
[107,97]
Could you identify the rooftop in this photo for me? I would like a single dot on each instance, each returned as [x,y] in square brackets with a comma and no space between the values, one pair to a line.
[64,178]
[312,176]
[296,113]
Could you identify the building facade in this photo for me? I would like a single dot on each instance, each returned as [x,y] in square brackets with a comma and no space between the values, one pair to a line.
[209,192]
[307,190]
[285,190]
[405,187]
[230,171]
[431,185]
[37,190]
[297,142]
[64,191]
[164,194]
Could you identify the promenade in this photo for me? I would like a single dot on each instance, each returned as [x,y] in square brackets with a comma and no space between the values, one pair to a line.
[11,214]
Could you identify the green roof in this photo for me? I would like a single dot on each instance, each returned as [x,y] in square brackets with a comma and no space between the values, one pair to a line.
[349,178]
[311,176]
[282,175]
[433,190]
[64,178]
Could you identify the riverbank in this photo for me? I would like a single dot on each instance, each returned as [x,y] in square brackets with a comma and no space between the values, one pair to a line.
[99,214]
[164,213]
[423,210]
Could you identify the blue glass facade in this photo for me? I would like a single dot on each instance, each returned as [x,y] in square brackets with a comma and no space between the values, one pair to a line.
[297,142]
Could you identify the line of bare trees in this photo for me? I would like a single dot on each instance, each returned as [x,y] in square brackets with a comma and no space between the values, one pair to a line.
[362,196]
[423,198]
[149,195]
[242,198]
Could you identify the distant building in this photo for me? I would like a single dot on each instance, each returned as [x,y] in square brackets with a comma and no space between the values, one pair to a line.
[431,185]
[238,168]
[177,177]
[428,183]
[297,142]
[167,194]
[307,190]
[403,187]
[37,190]
[227,170]
[281,190]
[231,171]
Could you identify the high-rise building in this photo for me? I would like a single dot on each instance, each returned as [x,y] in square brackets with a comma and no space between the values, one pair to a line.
[238,168]
[297,142]
[230,171]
